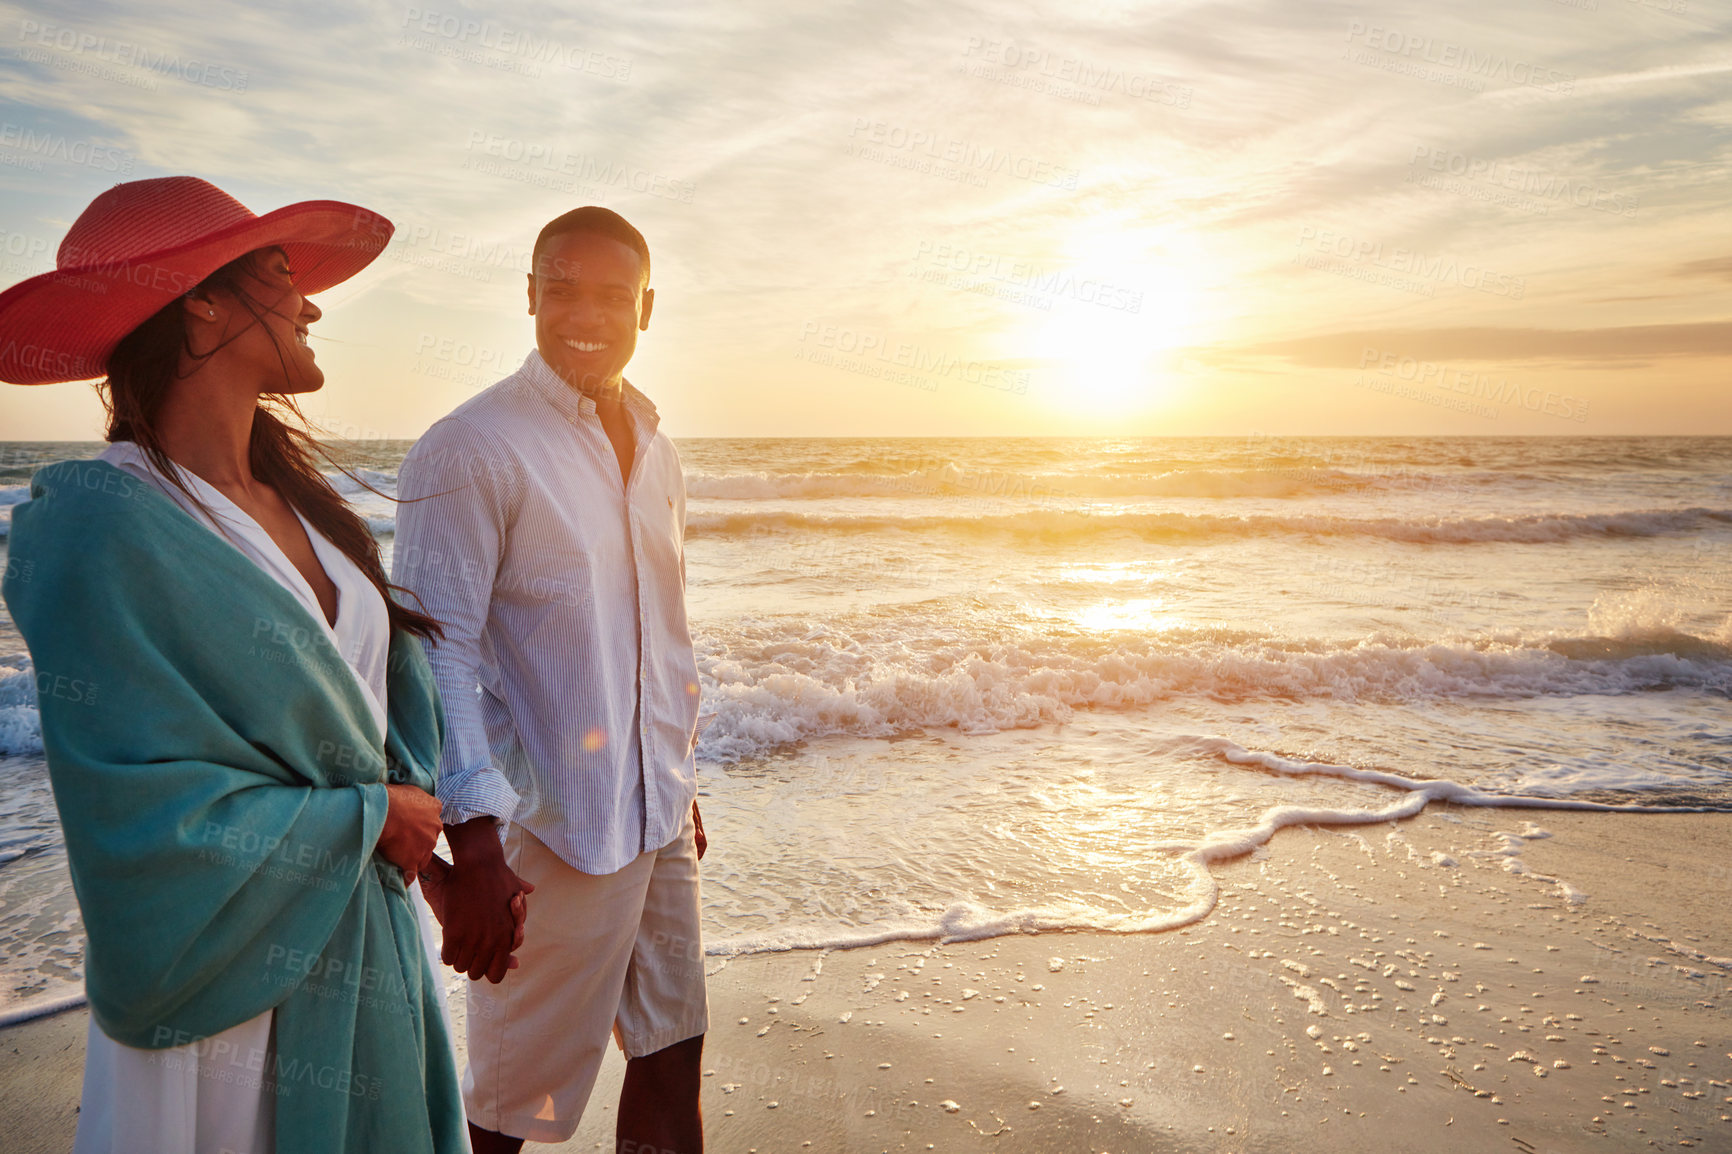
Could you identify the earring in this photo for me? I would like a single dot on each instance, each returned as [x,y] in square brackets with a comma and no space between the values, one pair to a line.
[213,314]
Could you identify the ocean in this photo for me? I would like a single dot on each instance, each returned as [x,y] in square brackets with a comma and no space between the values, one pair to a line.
[964,687]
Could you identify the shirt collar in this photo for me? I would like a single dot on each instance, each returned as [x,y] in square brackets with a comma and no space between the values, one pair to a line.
[577,404]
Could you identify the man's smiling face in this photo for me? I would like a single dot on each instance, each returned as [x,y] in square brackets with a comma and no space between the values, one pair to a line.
[589,302]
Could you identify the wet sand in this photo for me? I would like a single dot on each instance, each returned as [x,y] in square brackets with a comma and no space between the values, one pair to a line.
[1444,982]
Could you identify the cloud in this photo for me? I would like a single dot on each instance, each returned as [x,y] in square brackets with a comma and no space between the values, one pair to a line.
[1349,349]
[1718,267]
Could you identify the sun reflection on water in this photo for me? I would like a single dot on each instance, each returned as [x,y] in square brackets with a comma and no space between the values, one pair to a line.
[1144,614]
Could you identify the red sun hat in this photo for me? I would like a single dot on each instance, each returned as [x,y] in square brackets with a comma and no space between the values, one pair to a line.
[143,243]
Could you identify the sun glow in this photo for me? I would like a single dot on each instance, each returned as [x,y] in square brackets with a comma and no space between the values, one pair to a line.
[1108,345]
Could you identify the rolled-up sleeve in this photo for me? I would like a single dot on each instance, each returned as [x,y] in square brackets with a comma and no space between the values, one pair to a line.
[456,488]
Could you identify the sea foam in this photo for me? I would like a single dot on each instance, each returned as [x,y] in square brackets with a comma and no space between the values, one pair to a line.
[971,921]
[20,723]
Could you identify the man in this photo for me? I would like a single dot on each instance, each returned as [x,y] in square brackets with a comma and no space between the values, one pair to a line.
[543,523]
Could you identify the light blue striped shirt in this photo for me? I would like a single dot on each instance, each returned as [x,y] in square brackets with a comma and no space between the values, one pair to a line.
[566,670]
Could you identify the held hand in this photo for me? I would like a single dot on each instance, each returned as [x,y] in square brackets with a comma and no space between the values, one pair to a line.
[484,904]
[433,876]
[520,912]
[432,879]
[411,829]
[485,910]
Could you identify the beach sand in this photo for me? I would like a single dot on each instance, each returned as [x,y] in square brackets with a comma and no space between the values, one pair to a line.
[1439,983]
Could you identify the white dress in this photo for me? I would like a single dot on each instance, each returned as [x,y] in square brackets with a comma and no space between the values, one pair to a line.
[206,1098]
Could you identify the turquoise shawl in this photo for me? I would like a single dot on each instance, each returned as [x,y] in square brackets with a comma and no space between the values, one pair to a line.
[221,783]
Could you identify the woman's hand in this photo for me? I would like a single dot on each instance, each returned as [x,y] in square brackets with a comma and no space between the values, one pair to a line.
[432,878]
[412,828]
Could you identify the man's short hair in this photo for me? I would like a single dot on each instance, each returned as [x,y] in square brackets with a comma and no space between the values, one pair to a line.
[597,221]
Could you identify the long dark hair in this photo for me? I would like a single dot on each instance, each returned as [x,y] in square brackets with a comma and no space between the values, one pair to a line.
[282,452]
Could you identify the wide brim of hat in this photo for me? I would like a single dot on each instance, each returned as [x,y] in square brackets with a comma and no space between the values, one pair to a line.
[62,325]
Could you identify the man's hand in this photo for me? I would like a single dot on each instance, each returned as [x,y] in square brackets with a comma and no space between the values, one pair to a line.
[483,900]
[411,829]
[698,820]
[432,879]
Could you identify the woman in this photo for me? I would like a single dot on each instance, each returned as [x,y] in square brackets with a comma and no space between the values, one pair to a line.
[245,775]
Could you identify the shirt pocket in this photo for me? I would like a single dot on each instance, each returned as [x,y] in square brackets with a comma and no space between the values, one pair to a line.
[676,524]
[660,534]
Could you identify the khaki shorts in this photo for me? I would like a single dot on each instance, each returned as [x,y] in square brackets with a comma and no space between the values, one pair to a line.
[617,952]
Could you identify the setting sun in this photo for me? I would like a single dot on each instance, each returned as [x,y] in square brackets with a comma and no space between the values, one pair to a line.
[1107,345]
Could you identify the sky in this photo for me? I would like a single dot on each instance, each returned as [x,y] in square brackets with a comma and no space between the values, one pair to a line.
[946,219]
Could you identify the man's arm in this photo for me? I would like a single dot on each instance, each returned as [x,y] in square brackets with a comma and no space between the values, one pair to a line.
[456,488]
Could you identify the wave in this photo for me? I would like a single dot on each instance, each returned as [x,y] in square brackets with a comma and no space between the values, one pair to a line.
[779,683]
[952,480]
[382,525]
[9,496]
[384,482]
[1079,524]
[775,683]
